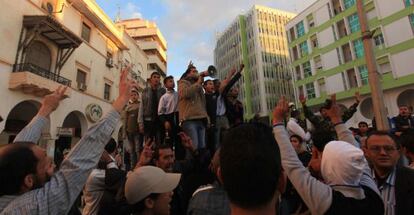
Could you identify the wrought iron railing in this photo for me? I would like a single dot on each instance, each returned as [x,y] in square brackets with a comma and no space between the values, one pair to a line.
[23,67]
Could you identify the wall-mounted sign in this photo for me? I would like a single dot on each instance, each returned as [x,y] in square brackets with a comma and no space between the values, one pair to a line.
[93,112]
[66,132]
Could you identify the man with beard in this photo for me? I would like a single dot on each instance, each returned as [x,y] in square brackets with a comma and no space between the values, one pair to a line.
[27,182]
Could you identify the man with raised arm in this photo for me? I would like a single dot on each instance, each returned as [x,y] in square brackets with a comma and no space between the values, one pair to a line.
[27,182]
[348,188]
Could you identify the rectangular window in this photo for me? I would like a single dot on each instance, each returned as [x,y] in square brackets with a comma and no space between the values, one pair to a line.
[408,3]
[81,77]
[304,50]
[300,29]
[318,62]
[81,80]
[379,41]
[359,48]
[86,32]
[311,22]
[336,7]
[411,17]
[107,91]
[292,34]
[307,71]
[349,3]
[322,86]
[298,73]
[363,73]
[354,23]
[352,78]
[346,50]
[314,41]
[310,91]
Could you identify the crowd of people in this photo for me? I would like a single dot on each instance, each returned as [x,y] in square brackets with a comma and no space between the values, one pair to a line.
[191,152]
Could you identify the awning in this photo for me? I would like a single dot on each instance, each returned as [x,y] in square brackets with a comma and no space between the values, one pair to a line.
[50,28]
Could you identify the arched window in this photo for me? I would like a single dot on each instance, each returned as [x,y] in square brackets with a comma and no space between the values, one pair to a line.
[38,54]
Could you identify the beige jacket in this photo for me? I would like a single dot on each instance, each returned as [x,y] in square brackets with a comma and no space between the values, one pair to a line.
[191,101]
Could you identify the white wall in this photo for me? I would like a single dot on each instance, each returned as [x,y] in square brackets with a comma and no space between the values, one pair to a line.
[334,84]
[403,63]
[325,37]
[398,31]
[321,15]
[330,60]
[388,7]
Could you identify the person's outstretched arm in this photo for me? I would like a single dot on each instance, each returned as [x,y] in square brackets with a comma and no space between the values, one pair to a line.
[316,195]
[59,194]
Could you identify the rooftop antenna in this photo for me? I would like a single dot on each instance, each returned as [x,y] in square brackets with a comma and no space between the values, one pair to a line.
[118,14]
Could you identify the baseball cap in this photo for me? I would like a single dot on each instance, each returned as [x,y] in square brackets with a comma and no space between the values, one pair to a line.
[146,180]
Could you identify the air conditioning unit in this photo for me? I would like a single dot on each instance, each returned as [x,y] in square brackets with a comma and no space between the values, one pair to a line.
[82,86]
[109,62]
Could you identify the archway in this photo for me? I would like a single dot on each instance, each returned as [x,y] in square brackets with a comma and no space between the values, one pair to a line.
[367,108]
[73,127]
[406,98]
[19,116]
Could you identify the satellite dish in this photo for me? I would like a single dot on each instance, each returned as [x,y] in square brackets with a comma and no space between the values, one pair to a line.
[49,8]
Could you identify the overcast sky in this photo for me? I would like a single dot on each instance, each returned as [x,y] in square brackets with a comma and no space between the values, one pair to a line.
[190,26]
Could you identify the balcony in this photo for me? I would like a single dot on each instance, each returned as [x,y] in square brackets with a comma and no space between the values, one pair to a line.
[32,79]
[155,61]
[153,45]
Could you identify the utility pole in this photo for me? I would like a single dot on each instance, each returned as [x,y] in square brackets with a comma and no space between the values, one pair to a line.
[373,79]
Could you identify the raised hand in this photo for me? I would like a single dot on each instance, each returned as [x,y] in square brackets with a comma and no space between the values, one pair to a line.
[186,141]
[125,86]
[280,111]
[302,99]
[357,97]
[51,102]
[146,154]
[334,112]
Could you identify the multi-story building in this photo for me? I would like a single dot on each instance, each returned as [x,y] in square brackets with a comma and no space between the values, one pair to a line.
[258,40]
[47,43]
[328,54]
[149,39]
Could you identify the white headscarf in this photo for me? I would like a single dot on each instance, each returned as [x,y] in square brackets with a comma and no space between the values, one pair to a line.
[342,164]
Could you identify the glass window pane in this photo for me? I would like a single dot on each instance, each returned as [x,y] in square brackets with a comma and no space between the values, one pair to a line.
[310,91]
[349,3]
[354,23]
[363,73]
[300,29]
[304,48]
[359,48]
[307,71]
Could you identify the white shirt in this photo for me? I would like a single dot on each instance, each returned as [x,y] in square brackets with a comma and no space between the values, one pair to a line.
[294,128]
[168,103]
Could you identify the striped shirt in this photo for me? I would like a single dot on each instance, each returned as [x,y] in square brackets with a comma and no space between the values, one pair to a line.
[387,191]
[58,195]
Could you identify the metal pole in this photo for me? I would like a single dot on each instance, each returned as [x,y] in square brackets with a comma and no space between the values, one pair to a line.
[373,79]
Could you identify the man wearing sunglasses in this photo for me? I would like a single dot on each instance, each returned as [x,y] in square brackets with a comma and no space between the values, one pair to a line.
[395,183]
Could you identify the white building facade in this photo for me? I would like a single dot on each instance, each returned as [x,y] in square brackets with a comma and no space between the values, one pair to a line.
[328,56]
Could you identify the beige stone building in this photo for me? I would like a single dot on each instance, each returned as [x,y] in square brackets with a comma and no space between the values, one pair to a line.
[47,43]
[149,39]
